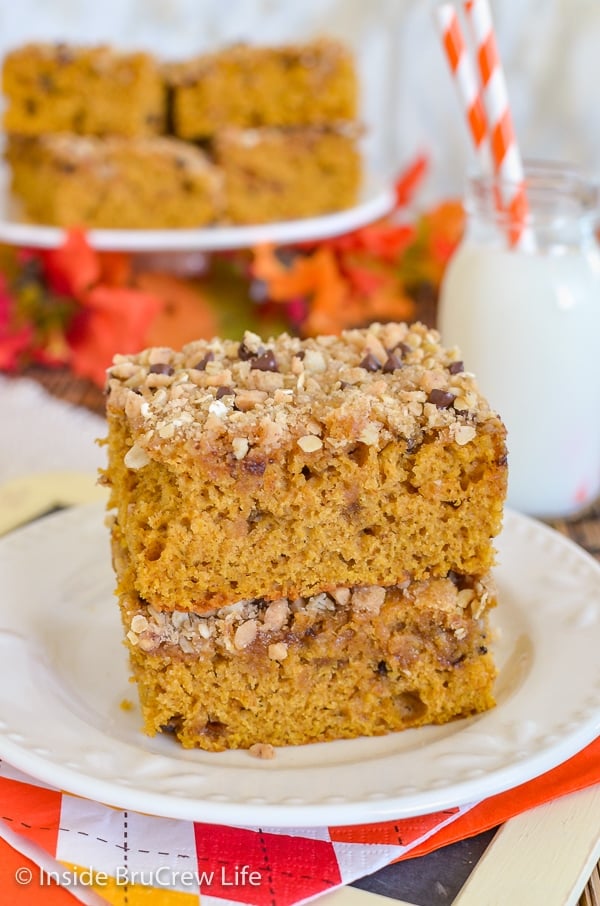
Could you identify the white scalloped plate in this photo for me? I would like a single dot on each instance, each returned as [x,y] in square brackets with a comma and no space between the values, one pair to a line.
[377,199]
[63,675]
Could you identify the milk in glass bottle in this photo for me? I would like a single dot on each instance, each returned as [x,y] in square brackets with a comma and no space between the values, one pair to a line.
[526,317]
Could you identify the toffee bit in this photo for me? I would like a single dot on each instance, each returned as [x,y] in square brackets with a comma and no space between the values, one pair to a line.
[265,362]
[370,363]
[161,368]
[443,399]
[456,367]
[201,366]
[392,363]
[223,391]
[255,466]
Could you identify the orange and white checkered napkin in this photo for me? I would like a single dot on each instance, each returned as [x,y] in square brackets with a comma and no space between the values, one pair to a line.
[105,855]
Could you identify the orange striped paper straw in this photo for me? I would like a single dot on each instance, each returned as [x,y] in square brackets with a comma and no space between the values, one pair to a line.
[465,79]
[506,157]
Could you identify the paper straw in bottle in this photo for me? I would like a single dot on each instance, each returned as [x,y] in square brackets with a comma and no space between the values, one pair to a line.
[506,157]
[465,79]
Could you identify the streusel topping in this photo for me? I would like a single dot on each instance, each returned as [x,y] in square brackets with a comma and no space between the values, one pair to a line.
[237,626]
[369,385]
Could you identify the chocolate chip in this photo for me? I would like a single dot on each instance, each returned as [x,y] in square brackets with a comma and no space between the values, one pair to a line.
[245,353]
[300,354]
[201,366]
[456,367]
[392,363]
[265,362]
[483,649]
[441,398]
[382,668]
[161,368]
[370,363]
[224,391]
[401,347]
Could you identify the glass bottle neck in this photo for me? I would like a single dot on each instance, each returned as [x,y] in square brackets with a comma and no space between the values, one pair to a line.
[560,211]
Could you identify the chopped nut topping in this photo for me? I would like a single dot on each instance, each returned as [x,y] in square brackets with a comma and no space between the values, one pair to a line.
[465,596]
[374,385]
[278,651]
[310,443]
[314,361]
[276,615]
[218,408]
[262,750]
[369,598]
[166,430]
[237,626]
[369,435]
[245,634]
[463,434]
[136,458]
[341,595]
[249,399]
[139,623]
[240,447]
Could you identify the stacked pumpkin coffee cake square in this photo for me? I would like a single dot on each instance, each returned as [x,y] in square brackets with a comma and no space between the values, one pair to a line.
[303,535]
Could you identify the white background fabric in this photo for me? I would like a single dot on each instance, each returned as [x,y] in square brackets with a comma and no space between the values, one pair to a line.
[550,49]
[44,434]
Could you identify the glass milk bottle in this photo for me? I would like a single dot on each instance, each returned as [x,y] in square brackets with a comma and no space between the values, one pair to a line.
[527,321]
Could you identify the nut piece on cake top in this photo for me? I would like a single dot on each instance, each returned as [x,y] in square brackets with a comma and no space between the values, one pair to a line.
[368,385]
